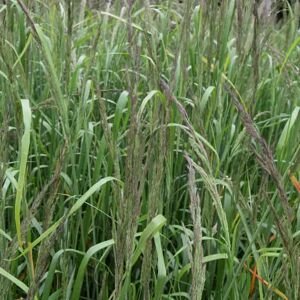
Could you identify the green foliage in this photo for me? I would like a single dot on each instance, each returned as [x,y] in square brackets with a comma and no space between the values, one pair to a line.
[149,151]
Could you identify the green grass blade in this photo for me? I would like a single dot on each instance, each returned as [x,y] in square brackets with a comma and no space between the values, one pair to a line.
[14,280]
[152,228]
[25,143]
[81,271]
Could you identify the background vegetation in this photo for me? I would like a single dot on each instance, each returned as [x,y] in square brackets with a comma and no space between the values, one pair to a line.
[148,151]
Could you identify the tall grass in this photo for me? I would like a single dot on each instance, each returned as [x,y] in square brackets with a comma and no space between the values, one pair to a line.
[148,151]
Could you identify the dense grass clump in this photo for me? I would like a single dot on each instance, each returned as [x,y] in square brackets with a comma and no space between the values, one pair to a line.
[148,151]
